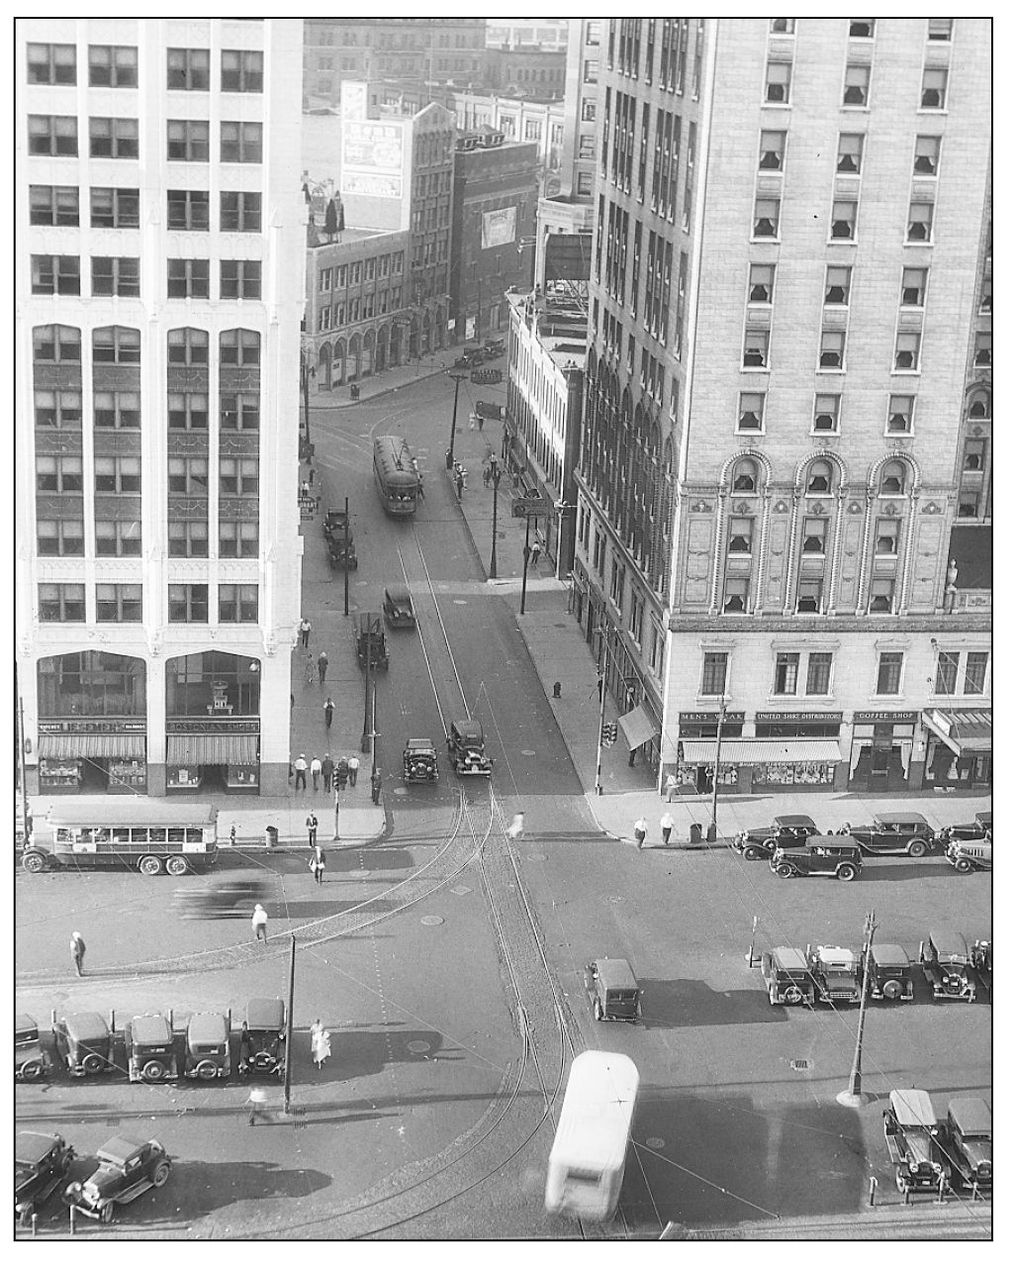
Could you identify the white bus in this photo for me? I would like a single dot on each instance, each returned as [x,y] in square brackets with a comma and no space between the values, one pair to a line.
[586,1167]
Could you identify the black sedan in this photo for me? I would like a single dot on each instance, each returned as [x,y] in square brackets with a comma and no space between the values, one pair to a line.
[895,833]
[785,831]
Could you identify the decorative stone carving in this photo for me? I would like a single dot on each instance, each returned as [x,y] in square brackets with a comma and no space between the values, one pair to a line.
[889,508]
[780,507]
[932,507]
[701,506]
[816,508]
[854,507]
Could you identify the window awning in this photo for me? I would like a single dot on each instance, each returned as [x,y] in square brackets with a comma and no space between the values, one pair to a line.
[189,750]
[638,726]
[964,732]
[91,746]
[760,750]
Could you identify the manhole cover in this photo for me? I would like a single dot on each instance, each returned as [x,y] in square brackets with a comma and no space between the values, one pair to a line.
[400,790]
[432,919]
[655,1143]
[528,752]
[418,1046]
[801,1064]
[460,890]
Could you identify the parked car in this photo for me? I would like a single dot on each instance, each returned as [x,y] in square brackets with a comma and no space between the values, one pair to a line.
[470,357]
[836,972]
[125,1170]
[370,642]
[612,990]
[787,977]
[467,749]
[85,1043]
[896,833]
[969,1138]
[262,1038]
[912,1134]
[760,842]
[828,855]
[222,897]
[41,1162]
[334,524]
[151,1049]
[948,963]
[493,347]
[890,973]
[207,1056]
[419,761]
[342,556]
[967,854]
[981,826]
[397,606]
[30,1061]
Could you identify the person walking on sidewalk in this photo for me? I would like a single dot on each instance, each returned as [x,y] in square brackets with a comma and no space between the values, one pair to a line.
[353,765]
[322,665]
[257,1100]
[327,768]
[259,923]
[534,553]
[329,711]
[77,952]
[311,830]
[301,772]
[640,831]
[375,786]
[308,669]
[671,786]
[305,626]
[459,482]
[666,824]
[320,1043]
[317,865]
[315,773]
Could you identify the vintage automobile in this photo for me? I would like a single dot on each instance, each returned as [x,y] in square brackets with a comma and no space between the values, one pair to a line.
[207,1056]
[342,556]
[967,854]
[760,842]
[397,606]
[486,377]
[467,749]
[151,1049]
[84,1042]
[829,855]
[948,963]
[890,973]
[470,357]
[222,897]
[787,977]
[262,1038]
[896,833]
[30,1062]
[837,973]
[369,632]
[125,1170]
[913,1137]
[981,826]
[41,1162]
[334,524]
[419,760]
[483,412]
[969,1139]
[612,990]
[493,347]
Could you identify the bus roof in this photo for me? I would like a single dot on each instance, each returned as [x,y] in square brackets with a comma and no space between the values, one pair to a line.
[595,1118]
[133,810]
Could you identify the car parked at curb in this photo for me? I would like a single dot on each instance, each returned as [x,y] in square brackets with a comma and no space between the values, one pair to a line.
[981,826]
[837,973]
[948,963]
[787,978]
[151,1049]
[895,833]
[125,1169]
[30,1061]
[913,1138]
[890,973]
[969,1137]
[967,854]
[84,1042]
[824,855]
[262,1038]
[785,831]
[207,1056]
[41,1163]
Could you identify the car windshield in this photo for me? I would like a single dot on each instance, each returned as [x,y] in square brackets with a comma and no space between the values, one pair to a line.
[24,1168]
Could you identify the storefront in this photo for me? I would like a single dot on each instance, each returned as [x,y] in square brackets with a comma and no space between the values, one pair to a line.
[765,764]
[77,756]
[959,749]
[881,750]
[695,775]
[212,724]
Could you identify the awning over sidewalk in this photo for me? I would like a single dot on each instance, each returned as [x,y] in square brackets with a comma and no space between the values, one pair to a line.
[193,749]
[764,750]
[638,726]
[91,746]
[964,732]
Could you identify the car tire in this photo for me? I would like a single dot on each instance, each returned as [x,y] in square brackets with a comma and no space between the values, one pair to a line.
[160,1175]
[107,1213]
[32,1070]
[597,1011]
[753,853]
[784,871]
[91,1064]
[33,862]
[963,866]
[892,990]
[917,848]
[206,1070]
[152,1072]
[847,873]
[793,996]
[177,866]
[150,866]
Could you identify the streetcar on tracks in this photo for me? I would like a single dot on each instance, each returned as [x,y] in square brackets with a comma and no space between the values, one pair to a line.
[395,475]
[586,1165]
[133,833]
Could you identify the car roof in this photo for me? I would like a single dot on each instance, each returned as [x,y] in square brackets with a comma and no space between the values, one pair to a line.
[984,818]
[794,820]
[615,972]
[468,728]
[397,592]
[419,744]
[913,1107]
[831,954]
[30,1147]
[207,1026]
[972,1114]
[950,943]
[789,958]
[841,841]
[120,1149]
[88,1025]
[265,1012]
[900,818]
[890,955]
[150,1029]
[25,1024]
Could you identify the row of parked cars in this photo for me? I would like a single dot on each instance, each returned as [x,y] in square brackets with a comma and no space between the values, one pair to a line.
[154,1049]
[951,965]
[467,755]
[928,1152]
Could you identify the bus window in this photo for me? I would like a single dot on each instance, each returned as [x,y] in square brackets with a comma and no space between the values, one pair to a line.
[139,835]
[64,835]
[121,835]
[194,836]
[176,834]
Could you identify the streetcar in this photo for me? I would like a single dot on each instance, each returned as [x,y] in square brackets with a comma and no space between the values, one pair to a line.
[395,475]
[586,1165]
[133,833]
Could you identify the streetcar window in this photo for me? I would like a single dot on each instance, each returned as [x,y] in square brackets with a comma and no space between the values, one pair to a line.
[193,835]
[583,1176]
[176,833]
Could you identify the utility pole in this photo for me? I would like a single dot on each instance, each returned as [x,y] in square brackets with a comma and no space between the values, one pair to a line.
[601,673]
[495,479]
[715,770]
[854,1094]
[373,735]
[457,378]
[26,820]
[364,744]
[525,562]
[288,1075]
[345,569]
[306,369]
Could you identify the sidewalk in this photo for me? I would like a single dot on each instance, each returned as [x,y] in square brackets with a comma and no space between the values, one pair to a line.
[390,379]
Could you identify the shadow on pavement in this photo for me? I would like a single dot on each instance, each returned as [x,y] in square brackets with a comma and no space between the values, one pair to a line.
[358,1053]
[904,871]
[296,909]
[692,1003]
[205,1187]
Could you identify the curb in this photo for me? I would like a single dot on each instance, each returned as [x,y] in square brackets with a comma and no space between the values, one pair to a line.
[366,399]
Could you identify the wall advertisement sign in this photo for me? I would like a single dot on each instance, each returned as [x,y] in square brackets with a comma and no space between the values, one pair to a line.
[499,227]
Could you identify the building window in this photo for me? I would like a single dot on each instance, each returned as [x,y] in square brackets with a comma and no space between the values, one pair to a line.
[188,539]
[889,680]
[735,596]
[584,183]
[766,217]
[240,347]
[974,455]
[861,28]
[893,479]
[756,349]
[927,155]
[53,136]
[588,110]
[914,286]
[777,81]
[188,603]
[983,350]
[809,596]
[52,63]
[833,349]
[761,283]
[882,596]
[63,537]
[772,151]
[188,410]
[886,537]
[56,344]
[117,603]
[782,26]
[837,283]
[187,346]
[907,352]
[187,140]
[188,210]
[635,623]
[819,674]
[115,208]
[238,477]
[240,278]
[933,92]
[112,138]
[188,69]
[844,220]
[745,476]
[121,277]
[787,667]
[856,88]
[56,274]
[752,411]
[188,476]
[239,412]
[117,410]
[118,539]
[55,205]
[112,66]
[238,539]
[850,154]
[61,603]
[900,414]
[976,672]
[741,535]
[815,531]
[939,28]
[117,474]
[58,474]
[237,603]
[617,583]
[187,278]
[920,222]
[819,478]
[240,142]
[240,212]
[242,70]
[826,414]
[58,410]
[713,675]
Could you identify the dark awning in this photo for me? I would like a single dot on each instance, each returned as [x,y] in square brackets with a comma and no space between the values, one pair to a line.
[760,750]
[638,726]
[192,749]
[964,732]
[91,746]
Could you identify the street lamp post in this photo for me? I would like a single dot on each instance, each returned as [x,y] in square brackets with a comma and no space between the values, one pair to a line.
[854,1094]
[306,372]
[526,552]
[495,479]
[601,676]
[457,378]
[365,738]
[715,770]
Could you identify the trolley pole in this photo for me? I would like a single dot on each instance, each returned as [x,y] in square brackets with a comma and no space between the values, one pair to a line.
[495,479]
[602,707]
[288,1075]
[373,734]
[457,378]
[364,744]
[854,1094]
[525,562]
[345,569]
[715,770]
[26,820]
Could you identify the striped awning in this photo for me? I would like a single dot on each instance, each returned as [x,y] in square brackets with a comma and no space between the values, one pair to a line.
[189,750]
[964,732]
[762,750]
[638,726]
[91,746]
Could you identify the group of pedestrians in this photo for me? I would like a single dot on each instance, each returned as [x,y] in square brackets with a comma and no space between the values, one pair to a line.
[666,824]
[326,772]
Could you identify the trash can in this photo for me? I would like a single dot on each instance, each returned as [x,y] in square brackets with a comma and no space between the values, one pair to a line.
[695,839]
[354,392]
[710,835]
[271,836]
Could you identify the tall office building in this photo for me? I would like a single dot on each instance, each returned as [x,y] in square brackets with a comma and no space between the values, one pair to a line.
[159,282]
[783,511]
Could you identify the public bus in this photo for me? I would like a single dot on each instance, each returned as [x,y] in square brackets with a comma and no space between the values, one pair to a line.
[586,1165]
[134,833]
[395,475]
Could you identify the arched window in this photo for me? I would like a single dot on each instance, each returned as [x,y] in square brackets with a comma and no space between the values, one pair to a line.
[979,404]
[745,476]
[893,479]
[819,478]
